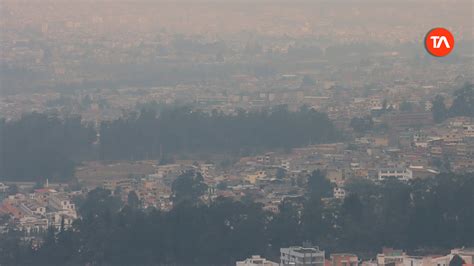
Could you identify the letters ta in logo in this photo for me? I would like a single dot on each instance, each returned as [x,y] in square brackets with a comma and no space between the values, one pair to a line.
[439,42]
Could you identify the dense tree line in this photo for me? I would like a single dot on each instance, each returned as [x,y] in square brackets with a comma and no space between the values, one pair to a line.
[428,213]
[149,134]
[463,104]
[40,146]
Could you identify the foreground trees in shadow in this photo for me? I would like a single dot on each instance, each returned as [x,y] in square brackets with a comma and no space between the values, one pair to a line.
[430,213]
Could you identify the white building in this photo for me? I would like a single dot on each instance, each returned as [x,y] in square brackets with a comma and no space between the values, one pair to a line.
[33,208]
[64,211]
[285,164]
[339,193]
[31,224]
[414,261]
[206,169]
[3,188]
[61,218]
[403,174]
[390,256]
[301,256]
[256,260]
[61,203]
[375,103]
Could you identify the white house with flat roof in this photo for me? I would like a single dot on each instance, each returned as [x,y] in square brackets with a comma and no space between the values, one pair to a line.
[302,256]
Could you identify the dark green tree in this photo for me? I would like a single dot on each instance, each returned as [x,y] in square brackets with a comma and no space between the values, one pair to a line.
[318,185]
[285,227]
[439,109]
[456,261]
[308,81]
[406,106]
[189,186]
[133,200]
[280,173]
[99,202]
[362,124]
[463,104]
[49,144]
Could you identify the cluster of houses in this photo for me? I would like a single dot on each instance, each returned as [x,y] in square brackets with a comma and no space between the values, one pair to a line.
[402,153]
[308,255]
[271,177]
[37,211]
